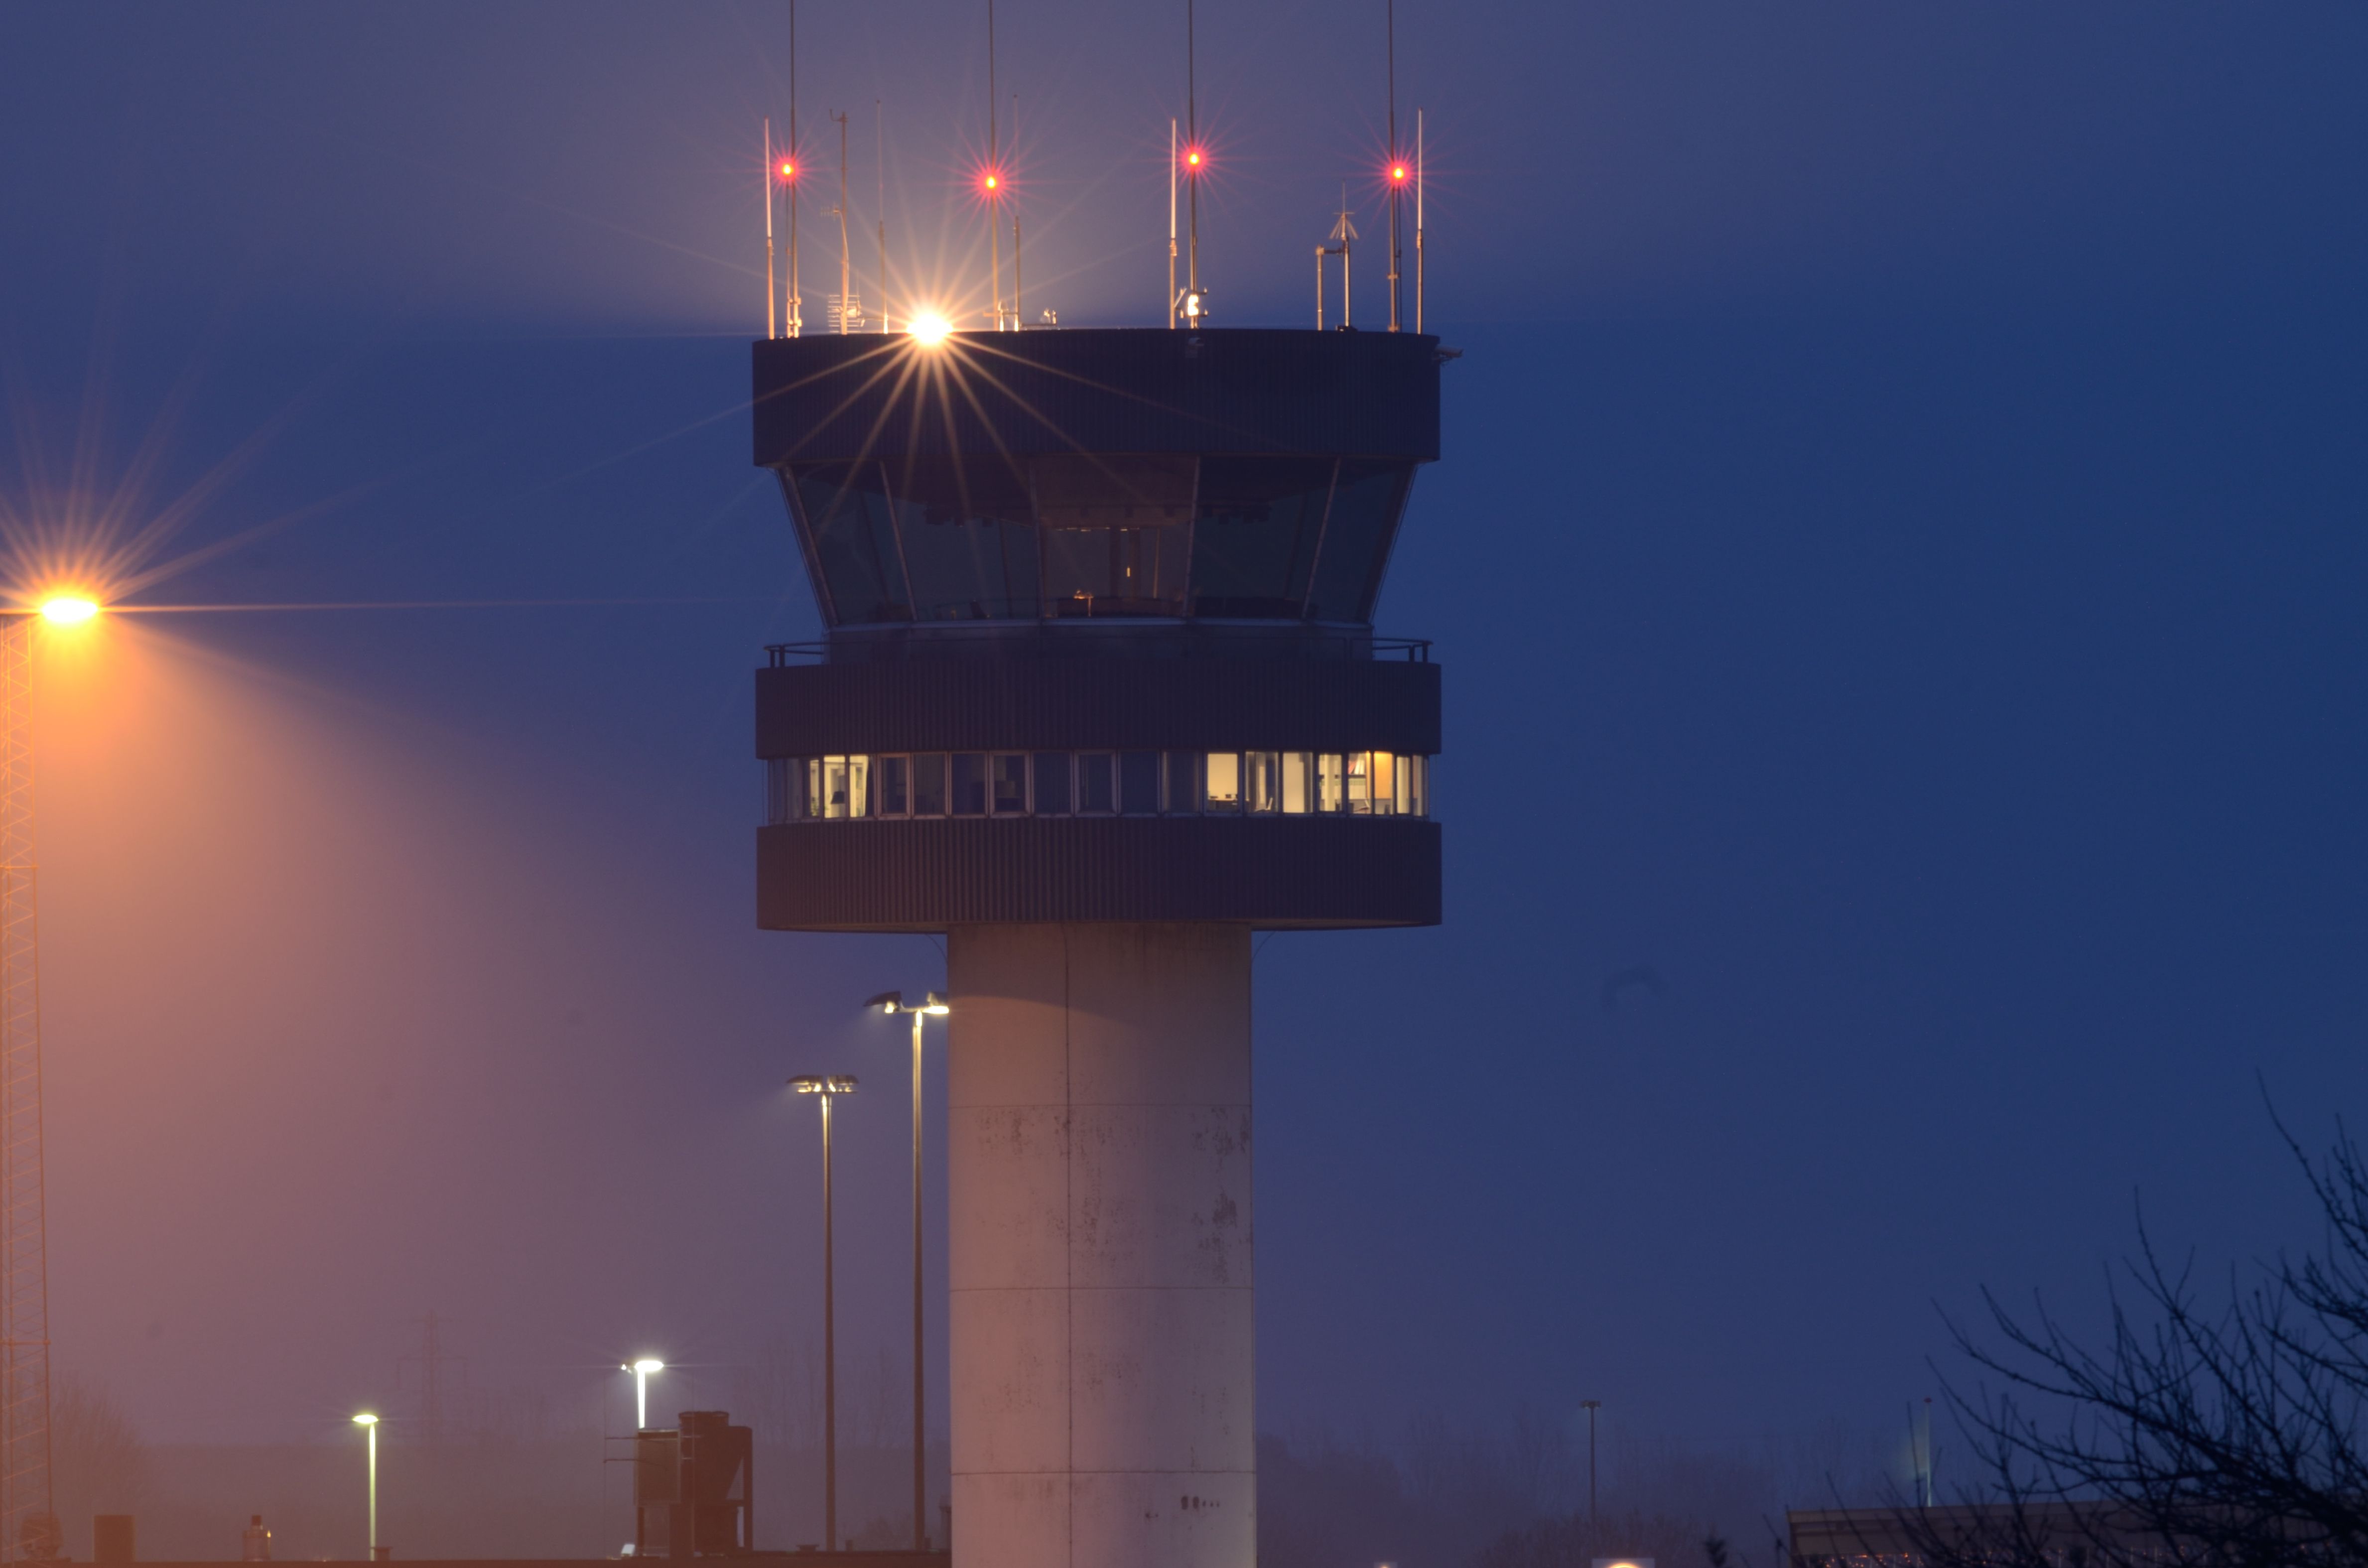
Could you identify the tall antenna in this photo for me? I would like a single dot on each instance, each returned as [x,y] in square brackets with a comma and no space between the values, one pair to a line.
[1344,233]
[1417,219]
[1018,306]
[770,328]
[1195,308]
[1171,222]
[994,179]
[847,311]
[28,1524]
[1397,170]
[880,167]
[796,312]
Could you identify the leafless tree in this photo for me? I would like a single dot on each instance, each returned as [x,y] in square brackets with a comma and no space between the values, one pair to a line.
[2209,1429]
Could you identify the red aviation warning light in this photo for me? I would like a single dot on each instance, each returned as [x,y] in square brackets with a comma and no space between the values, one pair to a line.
[1397,174]
[1194,159]
[788,170]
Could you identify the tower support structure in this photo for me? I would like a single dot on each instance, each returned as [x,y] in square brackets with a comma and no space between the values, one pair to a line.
[1102,1264]
[1099,700]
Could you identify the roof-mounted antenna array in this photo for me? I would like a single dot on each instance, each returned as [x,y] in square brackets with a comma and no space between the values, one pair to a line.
[1344,233]
[1418,221]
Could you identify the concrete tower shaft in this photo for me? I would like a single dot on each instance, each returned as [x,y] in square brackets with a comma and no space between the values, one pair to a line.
[1099,1161]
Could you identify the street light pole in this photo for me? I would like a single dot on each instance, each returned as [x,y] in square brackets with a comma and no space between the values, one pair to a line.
[828,1090]
[1591,1407]
[369,1424]
[893,1002]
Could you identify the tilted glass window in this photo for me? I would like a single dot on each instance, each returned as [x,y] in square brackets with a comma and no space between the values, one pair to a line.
[847,521]
[1115,532]
[969,539]
[1363,518]
[1254,534]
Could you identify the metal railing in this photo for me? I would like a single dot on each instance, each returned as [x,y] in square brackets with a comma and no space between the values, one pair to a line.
[1173,639]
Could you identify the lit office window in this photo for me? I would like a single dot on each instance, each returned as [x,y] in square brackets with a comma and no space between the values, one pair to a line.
[1298,782]
[1135,783]
[1261,782]
[1223,792]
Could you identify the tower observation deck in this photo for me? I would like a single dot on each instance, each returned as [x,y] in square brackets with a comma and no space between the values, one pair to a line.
[1099,697]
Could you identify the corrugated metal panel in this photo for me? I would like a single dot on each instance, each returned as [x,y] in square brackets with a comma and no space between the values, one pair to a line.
[1299,872]
[1093,704]
[1117,390]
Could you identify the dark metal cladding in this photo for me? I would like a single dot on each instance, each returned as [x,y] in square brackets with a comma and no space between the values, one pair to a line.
[1106,704]
[1020,393]
[1273,873]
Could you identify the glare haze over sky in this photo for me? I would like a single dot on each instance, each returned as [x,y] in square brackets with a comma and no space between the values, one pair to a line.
[1897,564]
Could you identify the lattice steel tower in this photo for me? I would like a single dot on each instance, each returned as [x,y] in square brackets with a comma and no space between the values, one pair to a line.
[1100,697]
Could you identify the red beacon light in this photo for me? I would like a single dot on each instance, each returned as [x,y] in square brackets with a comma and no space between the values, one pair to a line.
[789,170]
[1194,159]
[1397,174]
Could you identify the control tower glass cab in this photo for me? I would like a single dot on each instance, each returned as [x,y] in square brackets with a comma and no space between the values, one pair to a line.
[1099,696]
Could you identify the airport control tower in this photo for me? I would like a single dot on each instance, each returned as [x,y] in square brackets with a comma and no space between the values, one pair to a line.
[1100,698]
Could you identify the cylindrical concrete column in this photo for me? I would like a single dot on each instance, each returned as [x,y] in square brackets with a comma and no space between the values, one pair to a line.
[1099,1217]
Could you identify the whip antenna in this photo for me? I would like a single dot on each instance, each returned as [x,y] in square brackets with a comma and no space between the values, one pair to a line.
[770,318]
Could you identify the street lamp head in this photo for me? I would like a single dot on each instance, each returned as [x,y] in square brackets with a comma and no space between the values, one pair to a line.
[936,1005]
[68,609]
[645,1366]
[366,1419]
[833,1085]
[888,1001]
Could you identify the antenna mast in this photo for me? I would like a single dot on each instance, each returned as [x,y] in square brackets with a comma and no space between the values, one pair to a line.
[1417,219]
[1395,181]
[1195,308]
[1344,232]
[1171,222]
[1018,308]
[771,329]
[796,313]
[994,179]
[844,306]
[880,167]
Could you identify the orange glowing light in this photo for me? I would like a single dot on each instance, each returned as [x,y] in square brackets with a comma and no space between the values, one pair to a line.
[930,329]
[67,610]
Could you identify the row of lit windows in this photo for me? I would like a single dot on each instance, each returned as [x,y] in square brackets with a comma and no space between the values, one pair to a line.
[1097,783]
